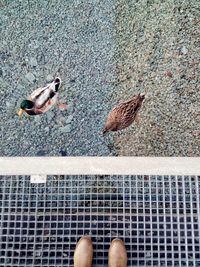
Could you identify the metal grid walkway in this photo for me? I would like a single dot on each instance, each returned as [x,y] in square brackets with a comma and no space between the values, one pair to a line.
[158,217]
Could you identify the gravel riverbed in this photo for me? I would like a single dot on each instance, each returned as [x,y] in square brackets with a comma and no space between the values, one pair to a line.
[104,52]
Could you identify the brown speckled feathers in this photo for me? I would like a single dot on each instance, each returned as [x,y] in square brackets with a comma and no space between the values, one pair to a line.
[123,114]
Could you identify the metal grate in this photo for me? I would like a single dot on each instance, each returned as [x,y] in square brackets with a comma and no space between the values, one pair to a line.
[158,217]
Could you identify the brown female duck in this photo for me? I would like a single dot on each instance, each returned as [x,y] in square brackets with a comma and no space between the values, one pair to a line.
[124,114]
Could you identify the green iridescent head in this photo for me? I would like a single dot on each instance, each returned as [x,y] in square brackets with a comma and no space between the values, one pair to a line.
[26,104]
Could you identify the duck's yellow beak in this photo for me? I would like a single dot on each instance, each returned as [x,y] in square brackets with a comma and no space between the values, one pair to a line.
[20,112]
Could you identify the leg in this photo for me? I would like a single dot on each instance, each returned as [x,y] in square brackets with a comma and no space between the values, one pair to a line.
[137,119]
[109,142]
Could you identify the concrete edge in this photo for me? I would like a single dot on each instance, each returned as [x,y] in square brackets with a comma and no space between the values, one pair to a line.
[100,165]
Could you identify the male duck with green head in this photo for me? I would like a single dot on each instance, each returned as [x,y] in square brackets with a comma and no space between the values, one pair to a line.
[42,99]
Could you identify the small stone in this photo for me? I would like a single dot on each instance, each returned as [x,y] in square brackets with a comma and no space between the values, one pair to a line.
[41,153]
[66,129]
[72,81]
[69,119]
[70,108]
[46,129]
[148,254]
[50,115]
[33,62]
[49,78]
[8,104]
[4,83]
[30,77]
[61,120]
[38,253]
[10,238]
[168,74]
[36,46]
[11,108]
[37,119]
[19,87]
[184,50]
[63,153]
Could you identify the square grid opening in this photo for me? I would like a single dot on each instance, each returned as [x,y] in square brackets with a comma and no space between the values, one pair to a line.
[158,218]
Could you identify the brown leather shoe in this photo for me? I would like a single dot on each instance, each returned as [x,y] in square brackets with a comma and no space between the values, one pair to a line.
[83,252]
[117,255]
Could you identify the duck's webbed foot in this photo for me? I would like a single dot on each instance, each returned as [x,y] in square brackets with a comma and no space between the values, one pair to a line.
[137,119]
[62,106]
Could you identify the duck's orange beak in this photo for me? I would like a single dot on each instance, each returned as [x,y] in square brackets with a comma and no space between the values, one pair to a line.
[20,112]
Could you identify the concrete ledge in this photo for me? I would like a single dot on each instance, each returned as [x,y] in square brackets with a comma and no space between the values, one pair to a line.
[99,165]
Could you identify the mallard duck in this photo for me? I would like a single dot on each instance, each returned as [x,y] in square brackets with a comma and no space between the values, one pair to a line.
[124,114]
[42,99]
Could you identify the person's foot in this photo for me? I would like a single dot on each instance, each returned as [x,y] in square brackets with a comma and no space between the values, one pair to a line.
[83,252]
[117,255]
